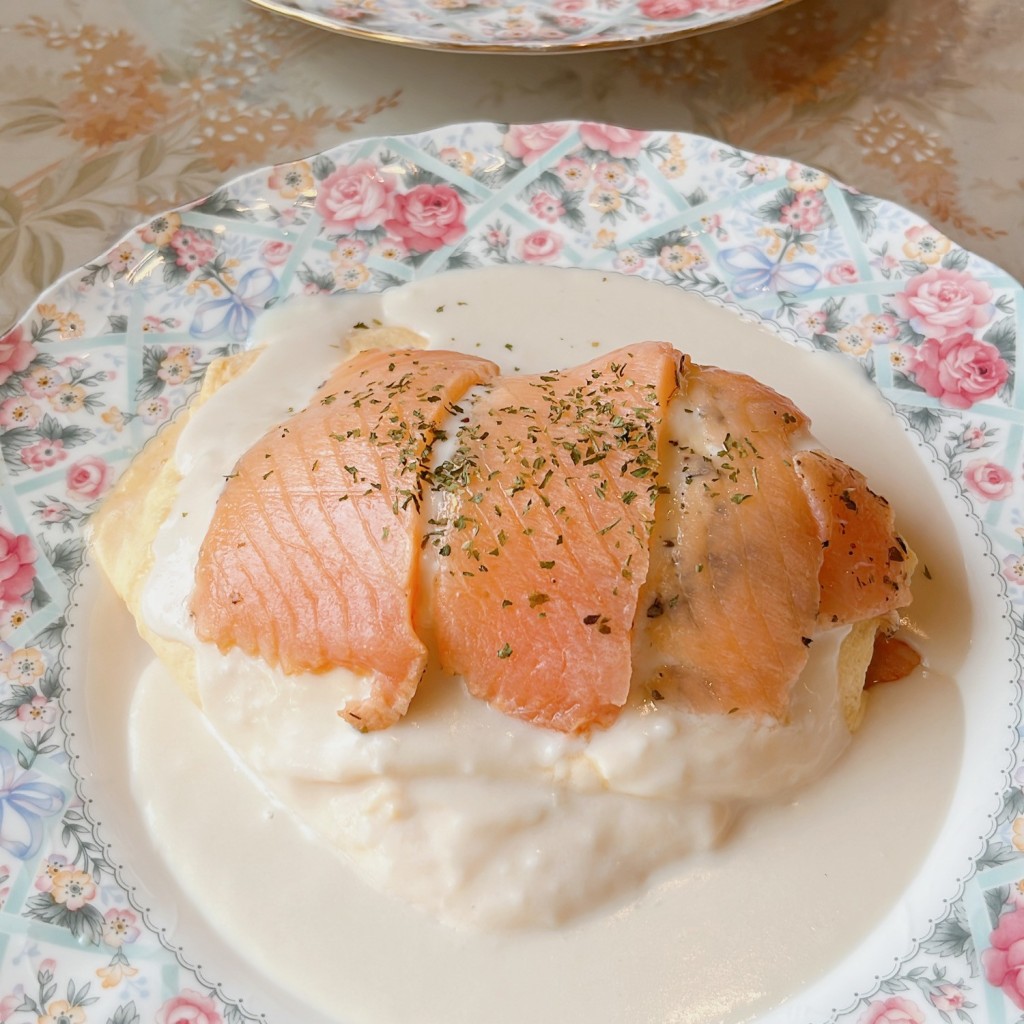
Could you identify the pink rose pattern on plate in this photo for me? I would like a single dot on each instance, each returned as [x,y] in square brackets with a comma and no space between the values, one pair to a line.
[104,359]
[487,24]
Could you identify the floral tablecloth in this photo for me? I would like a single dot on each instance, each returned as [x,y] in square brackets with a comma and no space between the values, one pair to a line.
[112,111]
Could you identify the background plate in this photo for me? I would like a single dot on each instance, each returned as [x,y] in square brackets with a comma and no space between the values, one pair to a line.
[501,26]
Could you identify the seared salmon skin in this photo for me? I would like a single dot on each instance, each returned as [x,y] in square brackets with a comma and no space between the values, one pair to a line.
[311,560]
[542,547]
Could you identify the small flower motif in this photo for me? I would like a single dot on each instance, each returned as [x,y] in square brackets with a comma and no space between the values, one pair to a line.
[38,713]
[546,207]
[804,213]
[70,325]
[351,278]
[160,230]
[761,168]
[115,972]
[390,249]
[711,224]
[154,410]
[946,997]
[806,179]
[612,176]
[13,617]
[60,1011]
[189,1007]
[629,261]
[191,250]
[25,666]
[894,1010]
[275,253]
[55,512]
[605,200]
[575,173]
[113,417]
[19,411]
[68,398]
[496,238]
[988,480]
[900,357]
[120,926]
[16,353]
[43,454]
[175,367]
[125,257]
[925,244]
[42,383]
[853,340]
[73,888]
[541,246]
[349,251]
[886,263]
[458,159]
[1013,570]
[88,478]
[815,322]
[52,866]
[1018,834]
[672,167]
[879,327]
[842,272]
[292,180]
[975,437]
[677,259]
[156,325]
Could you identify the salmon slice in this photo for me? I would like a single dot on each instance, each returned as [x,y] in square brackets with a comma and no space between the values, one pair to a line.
[866,567]
[731,600]
[312,558]
[547,508]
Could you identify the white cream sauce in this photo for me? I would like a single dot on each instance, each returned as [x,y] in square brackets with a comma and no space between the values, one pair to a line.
[478,818]
[415,808]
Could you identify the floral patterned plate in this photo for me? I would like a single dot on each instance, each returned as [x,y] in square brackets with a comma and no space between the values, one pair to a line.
[501,26]
[109,354]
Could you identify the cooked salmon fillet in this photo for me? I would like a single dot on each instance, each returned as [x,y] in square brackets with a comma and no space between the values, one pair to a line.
[311,560]
[543,543]
[731,600]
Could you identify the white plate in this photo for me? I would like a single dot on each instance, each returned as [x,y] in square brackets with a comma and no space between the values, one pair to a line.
[500,26]
[123,342]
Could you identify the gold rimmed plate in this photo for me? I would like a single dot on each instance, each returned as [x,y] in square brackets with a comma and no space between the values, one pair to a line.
[503,26]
